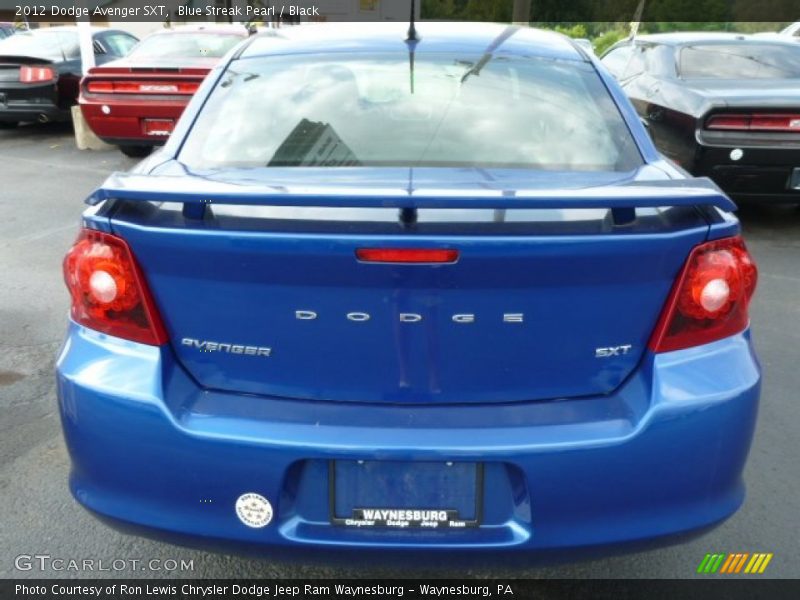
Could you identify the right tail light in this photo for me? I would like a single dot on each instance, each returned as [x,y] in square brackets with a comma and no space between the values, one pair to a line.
[710,298]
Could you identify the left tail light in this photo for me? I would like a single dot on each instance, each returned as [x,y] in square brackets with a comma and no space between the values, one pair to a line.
[109,293]
[36,74]
[710,298]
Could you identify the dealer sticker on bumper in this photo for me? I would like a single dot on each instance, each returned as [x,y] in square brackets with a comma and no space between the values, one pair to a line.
[254,510]
[406,518]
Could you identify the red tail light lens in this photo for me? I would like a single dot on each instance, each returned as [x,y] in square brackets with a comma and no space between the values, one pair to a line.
[108,291]
[710,298]
[755,122]
[733,122]
[180,88]
[407,255]
[36,74]
[100,87]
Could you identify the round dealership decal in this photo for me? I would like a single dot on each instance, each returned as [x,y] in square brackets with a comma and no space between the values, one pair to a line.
[253,510]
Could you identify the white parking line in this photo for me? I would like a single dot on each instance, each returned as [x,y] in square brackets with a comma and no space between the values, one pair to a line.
[72,167]
[32,237]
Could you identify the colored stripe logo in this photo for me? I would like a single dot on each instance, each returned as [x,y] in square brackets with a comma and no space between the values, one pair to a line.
[737,562]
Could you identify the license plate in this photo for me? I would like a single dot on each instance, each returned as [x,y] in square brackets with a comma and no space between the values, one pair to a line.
[405,495]
[158,126]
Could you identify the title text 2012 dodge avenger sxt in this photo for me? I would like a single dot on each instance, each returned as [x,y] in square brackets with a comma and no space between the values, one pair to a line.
[385,293]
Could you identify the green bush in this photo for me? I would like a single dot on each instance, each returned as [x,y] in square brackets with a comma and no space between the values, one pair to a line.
[576,31]
[602,35]
[604,41]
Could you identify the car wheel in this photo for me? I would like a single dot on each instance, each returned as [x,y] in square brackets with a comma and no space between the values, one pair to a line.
[8,124]
[136,151]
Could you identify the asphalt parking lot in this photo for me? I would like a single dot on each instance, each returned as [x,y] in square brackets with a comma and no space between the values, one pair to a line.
[43,181]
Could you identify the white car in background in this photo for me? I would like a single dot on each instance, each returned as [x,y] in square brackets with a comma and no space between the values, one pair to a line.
[792,30]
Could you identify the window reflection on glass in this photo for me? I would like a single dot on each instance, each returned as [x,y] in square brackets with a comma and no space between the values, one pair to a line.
[492,111]
[185,45]
[51,45]
[740,61]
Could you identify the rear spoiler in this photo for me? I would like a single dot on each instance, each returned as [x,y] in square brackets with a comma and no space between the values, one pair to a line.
[23,59]
[195,193]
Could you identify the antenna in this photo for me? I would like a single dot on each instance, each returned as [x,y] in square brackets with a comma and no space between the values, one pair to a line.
[408,214]
[412,30]
[637,21]
[411,41]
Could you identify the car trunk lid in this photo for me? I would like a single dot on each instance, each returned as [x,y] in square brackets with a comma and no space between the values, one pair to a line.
[751,93]
[285,307]
[150,78]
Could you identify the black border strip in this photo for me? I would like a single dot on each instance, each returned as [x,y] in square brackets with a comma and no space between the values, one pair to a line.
[540,11]
[466,587]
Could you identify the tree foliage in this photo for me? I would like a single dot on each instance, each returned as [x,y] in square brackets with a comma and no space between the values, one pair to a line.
[565,17]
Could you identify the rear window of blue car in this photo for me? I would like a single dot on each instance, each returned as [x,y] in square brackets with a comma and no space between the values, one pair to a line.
[384,110]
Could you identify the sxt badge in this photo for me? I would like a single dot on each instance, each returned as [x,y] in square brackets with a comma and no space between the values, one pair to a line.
[612,351]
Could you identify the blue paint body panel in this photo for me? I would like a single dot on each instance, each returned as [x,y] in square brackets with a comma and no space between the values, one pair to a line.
[576,293]
[573,450]
[663,454]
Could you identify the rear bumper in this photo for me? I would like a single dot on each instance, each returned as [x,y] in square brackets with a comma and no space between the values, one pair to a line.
[661,456]
[124,123]
[762,174]
[31,102]
[32,111]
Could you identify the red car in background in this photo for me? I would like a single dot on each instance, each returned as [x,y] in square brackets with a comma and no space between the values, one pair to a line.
[135,102]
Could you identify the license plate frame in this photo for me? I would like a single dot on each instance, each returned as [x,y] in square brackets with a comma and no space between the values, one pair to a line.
[446,518]
[158,127]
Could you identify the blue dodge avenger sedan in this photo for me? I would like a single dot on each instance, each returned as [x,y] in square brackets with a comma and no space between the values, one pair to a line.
[410,290]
